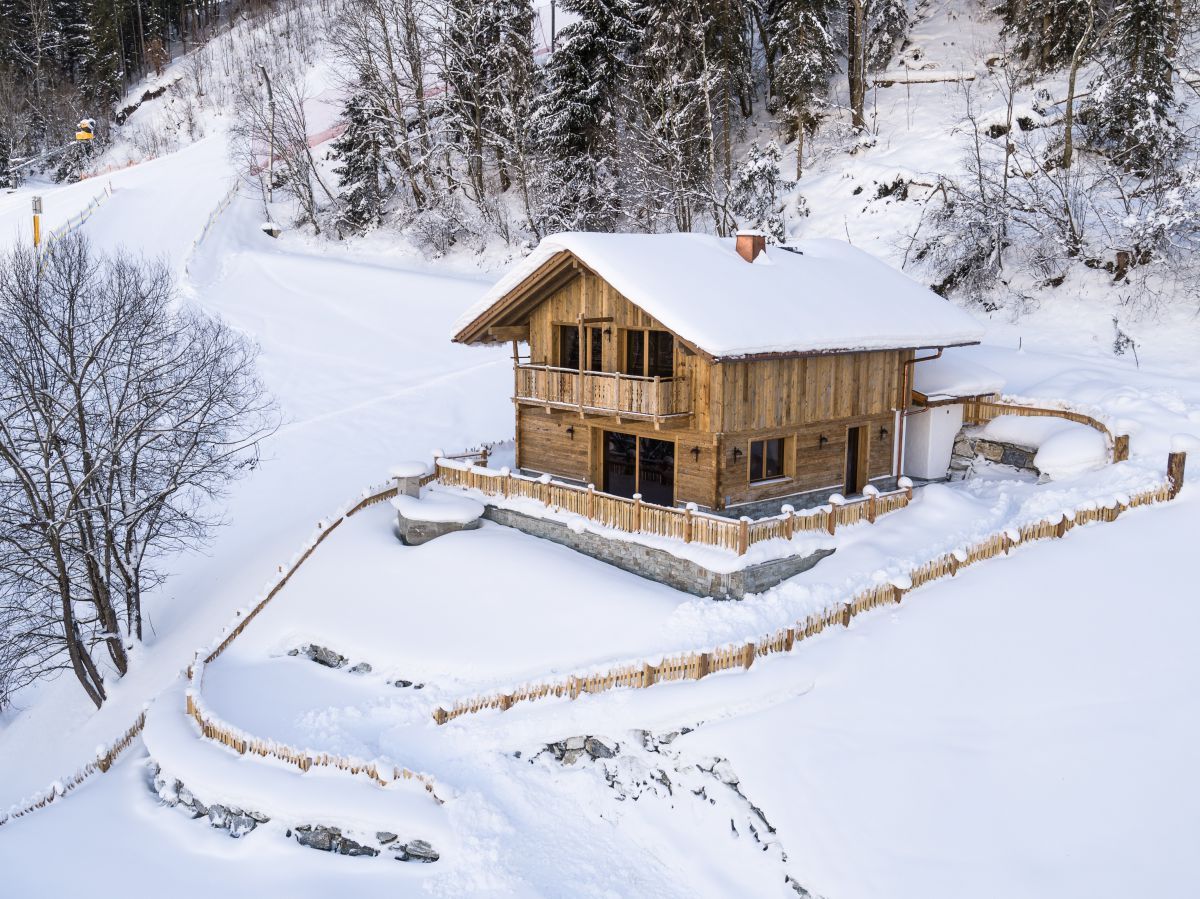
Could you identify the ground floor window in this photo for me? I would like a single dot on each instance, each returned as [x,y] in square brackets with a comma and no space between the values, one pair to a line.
[639,465]
[766,459]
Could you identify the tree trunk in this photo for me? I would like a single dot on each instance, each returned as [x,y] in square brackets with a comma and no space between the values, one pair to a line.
[1076,61]
[856,63]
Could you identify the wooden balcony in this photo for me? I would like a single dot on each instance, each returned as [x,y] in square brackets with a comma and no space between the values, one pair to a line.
[661,400]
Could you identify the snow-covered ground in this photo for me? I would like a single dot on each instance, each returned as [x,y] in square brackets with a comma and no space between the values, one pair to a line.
[1025,729]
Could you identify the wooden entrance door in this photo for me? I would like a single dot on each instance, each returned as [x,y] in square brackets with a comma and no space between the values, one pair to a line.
[639,465]
[856,461]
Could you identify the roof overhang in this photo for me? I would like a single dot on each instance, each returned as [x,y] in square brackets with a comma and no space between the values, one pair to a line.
[507,318]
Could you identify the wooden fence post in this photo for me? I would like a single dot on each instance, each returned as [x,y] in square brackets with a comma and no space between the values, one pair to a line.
[648,673]
[789,521]
[847,612]
[687,523]
[831,520]
[702,662]
[591,502]
[1176,463]
[1121,448]
[743,535]
[872,493]
[637,512]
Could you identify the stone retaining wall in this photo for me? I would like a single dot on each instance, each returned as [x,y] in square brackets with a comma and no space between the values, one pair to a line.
[660,565]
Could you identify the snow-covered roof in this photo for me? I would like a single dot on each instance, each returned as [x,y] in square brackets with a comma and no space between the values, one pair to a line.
[954,376]
[818,296]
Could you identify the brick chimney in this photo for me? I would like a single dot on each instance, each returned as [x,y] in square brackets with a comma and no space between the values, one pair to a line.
[750,244]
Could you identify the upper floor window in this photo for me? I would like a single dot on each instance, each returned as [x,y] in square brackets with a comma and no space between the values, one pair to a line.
[766,459]
[649,353]
[568,347]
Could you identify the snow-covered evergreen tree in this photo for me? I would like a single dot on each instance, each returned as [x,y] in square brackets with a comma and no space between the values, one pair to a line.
[364,182]
[1045,33]
[756,197]
[1131,107]
[577,117]
[887,24]
[804,53]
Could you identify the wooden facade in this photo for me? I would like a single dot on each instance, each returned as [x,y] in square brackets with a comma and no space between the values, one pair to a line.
[594,400]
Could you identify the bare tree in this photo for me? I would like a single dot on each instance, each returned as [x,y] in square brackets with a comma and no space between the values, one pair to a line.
[270,123]
[122,418]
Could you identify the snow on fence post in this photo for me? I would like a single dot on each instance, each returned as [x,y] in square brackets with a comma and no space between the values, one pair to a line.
[743,535]
[591,502]
[871,492]
[789,521]
[637,513]
[906,485]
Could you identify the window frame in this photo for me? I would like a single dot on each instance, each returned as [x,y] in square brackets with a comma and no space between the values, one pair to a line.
[593,340]
[645,353]
[765,478]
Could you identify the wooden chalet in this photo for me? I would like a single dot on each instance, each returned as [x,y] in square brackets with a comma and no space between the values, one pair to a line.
[695,369]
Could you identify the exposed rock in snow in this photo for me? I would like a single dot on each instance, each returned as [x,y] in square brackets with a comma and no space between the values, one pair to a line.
[330,839]
[322,655]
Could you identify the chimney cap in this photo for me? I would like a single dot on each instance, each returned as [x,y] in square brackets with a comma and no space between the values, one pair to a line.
[751,232]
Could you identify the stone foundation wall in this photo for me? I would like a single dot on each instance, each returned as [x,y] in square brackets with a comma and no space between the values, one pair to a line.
[659,565]
[799,501]
[968,447]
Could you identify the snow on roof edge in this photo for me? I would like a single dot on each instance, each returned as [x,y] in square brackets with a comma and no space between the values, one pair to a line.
[664,274]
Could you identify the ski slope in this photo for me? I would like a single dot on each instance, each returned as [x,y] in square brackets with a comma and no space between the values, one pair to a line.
[357,359]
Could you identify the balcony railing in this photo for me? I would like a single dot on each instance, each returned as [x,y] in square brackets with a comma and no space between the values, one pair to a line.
[604,392]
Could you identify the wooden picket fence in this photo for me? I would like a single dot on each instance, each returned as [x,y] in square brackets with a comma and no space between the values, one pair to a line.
[101,764]
[697,665]
[978,412]
[633,516]
[216,730]
[213,728]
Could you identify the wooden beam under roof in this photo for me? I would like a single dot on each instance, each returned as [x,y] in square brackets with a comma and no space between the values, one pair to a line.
[505,333]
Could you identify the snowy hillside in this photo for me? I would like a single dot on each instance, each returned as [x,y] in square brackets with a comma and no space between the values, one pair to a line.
[1024,728]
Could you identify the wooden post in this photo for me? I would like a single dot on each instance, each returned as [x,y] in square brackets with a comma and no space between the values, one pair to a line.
[847,612]
[687,523]
[702,665]
[743,535]
[654,399]
[1121,448]
[1175,467]
[591,502]
[872,507]
[637,512]
[648,673]
[789,522]
[789,639]
[582,351]
[439,716]
[831,520]
[748,653]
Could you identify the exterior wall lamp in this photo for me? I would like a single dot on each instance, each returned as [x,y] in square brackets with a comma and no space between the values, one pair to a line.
[822,440]
[571,431]
[883,432]
[695,453]
[737,453]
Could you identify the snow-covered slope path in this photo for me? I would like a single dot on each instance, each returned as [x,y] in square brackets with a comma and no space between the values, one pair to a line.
[357,357]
